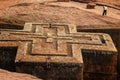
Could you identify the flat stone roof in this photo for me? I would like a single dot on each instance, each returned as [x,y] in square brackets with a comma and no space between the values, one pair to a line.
[53,43]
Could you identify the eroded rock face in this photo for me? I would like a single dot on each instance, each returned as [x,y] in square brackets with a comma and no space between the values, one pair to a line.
[106,1]
[91,5]
[27,11]
[6,75]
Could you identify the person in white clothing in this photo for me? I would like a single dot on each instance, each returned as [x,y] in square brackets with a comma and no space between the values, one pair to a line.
[105,10]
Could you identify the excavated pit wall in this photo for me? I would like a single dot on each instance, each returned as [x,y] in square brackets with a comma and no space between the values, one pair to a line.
[115,35]
[52,71]
[7,58]
[99,65]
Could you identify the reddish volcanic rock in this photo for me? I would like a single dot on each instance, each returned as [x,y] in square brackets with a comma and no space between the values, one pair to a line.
[6,75]
[44,11]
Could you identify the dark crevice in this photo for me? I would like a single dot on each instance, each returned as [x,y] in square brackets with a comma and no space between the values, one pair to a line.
[7,58]
[11,26]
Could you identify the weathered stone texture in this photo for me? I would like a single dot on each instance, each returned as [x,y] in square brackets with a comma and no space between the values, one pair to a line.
[115,35]
[52,71]
[7,75]
[6,59]
[90,5]
[99,65]
[105,1]
[86,0]
[99,76]
[95,61]
[58,51]
[63,0]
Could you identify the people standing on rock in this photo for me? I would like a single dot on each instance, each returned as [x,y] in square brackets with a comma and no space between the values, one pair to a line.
[105,10]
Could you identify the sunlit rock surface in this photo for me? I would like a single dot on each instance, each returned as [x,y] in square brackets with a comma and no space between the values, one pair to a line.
[6,75]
